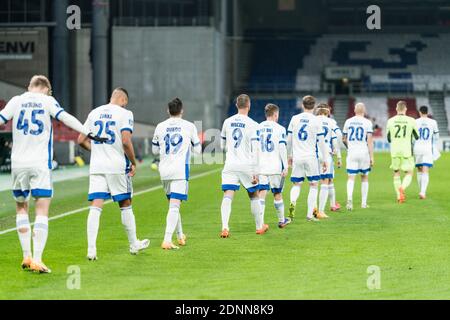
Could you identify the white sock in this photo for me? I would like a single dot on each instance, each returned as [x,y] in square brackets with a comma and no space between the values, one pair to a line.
[179,227]
[419,178]
[350,186]
[332,195]
[225,211]
[171,222]
[424,184]
[23,222]
[40,234]
[93,223]
[129,223]
[255,207]
[295,193]
[262,204]
[312,201]
[364,192]
[323,197]
[279,207]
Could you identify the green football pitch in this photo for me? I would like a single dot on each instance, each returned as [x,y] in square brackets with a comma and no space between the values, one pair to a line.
[329,259]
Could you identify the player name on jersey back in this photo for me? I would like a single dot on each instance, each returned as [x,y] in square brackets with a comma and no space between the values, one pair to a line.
[109,121]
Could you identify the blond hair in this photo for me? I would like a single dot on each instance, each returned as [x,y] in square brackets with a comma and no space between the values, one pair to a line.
[242,101]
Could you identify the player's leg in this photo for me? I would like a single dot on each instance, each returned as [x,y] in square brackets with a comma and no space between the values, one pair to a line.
[172,217]
[313,174]
[424,181]
[419,166]
[407,166]
[264,186]
[334,205]
[21,193]
[364,190]
[230,184]
[324,189]
[350,188]
[396,166]
[40,234]
[297,178]
[276,186]
[121,188]
[98,193]
[42,192]
[323,196]
[255,205]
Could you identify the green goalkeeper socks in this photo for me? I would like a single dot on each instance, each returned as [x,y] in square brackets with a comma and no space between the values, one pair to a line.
[406,181]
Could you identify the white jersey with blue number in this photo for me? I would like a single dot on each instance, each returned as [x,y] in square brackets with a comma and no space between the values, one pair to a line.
[175,137]
[328,132]
[32,129]
[428,128]
[271,135]
[356,129]
[305,129]
[109,121]
[238,131]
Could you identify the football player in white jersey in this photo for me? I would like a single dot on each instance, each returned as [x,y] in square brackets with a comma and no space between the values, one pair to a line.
[357,135]
[425,150]
[31,161]
[273,166]
[241,142]
[330,139]
[336,150]
[112,166]
[303,147]
[172,141]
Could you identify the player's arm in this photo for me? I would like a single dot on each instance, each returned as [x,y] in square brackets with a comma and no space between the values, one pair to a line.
[195,141]
[388,130]
[322,145]
[289,142]
[415,130]
[255,152]
[283,153]
[337,149]
[370,146]
[156,148]
[59,114]
[128,148]
[8,112]
[344,135]
[223,137]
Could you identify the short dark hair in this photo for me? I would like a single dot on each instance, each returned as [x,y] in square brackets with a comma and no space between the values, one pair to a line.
[270,109]
[308,102]
[242,101]
[423,109]
[123,90]
[175,106]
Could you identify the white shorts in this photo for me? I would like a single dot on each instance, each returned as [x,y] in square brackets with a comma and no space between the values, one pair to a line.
[273,182]
[34,181]
[176,189]
[308,168]
[233,180]
[105,186]
[424,160]
[329,173]
[358,163]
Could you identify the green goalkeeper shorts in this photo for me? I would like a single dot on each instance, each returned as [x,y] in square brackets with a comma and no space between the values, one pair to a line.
[402,163]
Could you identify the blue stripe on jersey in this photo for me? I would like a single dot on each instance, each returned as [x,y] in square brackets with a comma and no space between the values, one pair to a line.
[21,193]
[127,164]
[58,113]
[126,129]
[50,148]
[3,118]
[429,165]
[186,166]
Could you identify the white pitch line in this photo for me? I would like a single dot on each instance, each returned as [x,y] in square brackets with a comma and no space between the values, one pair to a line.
[69,213]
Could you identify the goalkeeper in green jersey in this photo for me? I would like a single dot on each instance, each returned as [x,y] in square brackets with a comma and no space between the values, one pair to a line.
[401,130]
